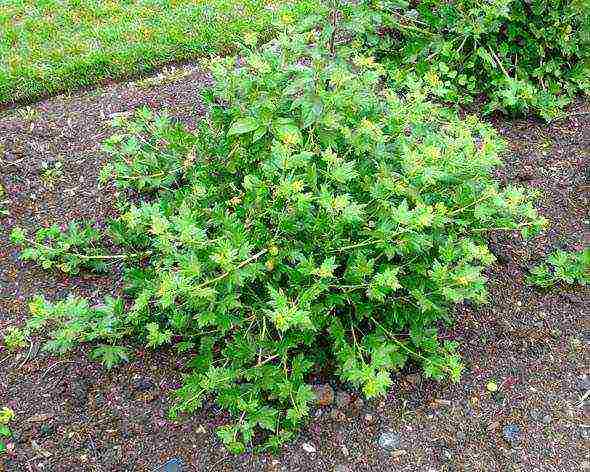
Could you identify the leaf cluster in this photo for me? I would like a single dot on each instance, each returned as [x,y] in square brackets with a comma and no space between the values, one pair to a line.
[70,250]
[561,266]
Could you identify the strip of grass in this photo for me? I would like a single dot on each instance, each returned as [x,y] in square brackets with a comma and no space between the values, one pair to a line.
[50,46]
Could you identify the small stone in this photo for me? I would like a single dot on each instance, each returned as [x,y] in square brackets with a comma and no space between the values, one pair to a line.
[338,415]
[511,433]
[583,383]
[414,379]
[447,455]
[461,437]
[308,448]
[324,394]
[46,430]
[143,384]
[492,386]
[343,399]
[535,415]
[389,441]
[358,404]
[173,465]
[399,453]
[342,468]
[546,419]
[369,418]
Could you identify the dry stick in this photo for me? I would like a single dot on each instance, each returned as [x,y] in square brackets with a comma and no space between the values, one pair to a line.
[50,368]
[6,358]
[498,61]
[27,356]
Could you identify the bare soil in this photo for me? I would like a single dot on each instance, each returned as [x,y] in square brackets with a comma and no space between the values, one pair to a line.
[73,415]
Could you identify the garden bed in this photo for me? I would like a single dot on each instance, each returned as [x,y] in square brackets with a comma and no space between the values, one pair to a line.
[72,414]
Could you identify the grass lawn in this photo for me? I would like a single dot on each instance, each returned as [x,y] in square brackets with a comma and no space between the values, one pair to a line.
[49,46]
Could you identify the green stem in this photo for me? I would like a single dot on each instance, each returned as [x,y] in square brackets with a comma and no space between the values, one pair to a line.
[239,266]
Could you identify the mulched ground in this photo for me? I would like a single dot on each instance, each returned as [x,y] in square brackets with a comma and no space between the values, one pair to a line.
[72,415]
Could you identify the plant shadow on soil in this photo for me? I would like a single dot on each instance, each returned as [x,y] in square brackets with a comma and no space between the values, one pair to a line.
[74,415]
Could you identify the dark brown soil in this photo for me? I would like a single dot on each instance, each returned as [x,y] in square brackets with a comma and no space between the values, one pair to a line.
[73,415]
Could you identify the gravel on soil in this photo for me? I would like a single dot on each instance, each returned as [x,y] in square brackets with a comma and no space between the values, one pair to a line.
[73,415]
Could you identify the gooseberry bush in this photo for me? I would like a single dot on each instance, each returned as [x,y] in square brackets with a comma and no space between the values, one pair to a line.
[316,222]
[521,56]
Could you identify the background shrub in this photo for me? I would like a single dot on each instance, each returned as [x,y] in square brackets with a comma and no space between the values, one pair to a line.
[520,55]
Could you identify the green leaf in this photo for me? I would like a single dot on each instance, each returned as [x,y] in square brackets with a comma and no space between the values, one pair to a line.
[17,235]
[110,356]
[6,415]
[243,126]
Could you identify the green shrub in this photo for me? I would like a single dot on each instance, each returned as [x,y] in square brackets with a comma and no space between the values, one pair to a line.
[562,266]
[315,222]
[523,55]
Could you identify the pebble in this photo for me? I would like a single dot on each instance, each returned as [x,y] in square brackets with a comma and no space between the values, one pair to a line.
[308,448]
[535,415]
[337,415]
[343,399]
[583,383]
[414,379]
[358,404]
[46,430]
[324,394]
[389,441]
[369,418]
[511,433]
[143,384]
[342,468]
[173,465]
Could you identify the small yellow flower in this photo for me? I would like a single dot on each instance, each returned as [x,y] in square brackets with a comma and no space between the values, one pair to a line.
[432,78]
[297,186]
[290,138]
[440,208]
[462,280]
[340,202]
[287,19]
[364,61]
[250,39]
[323,272]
